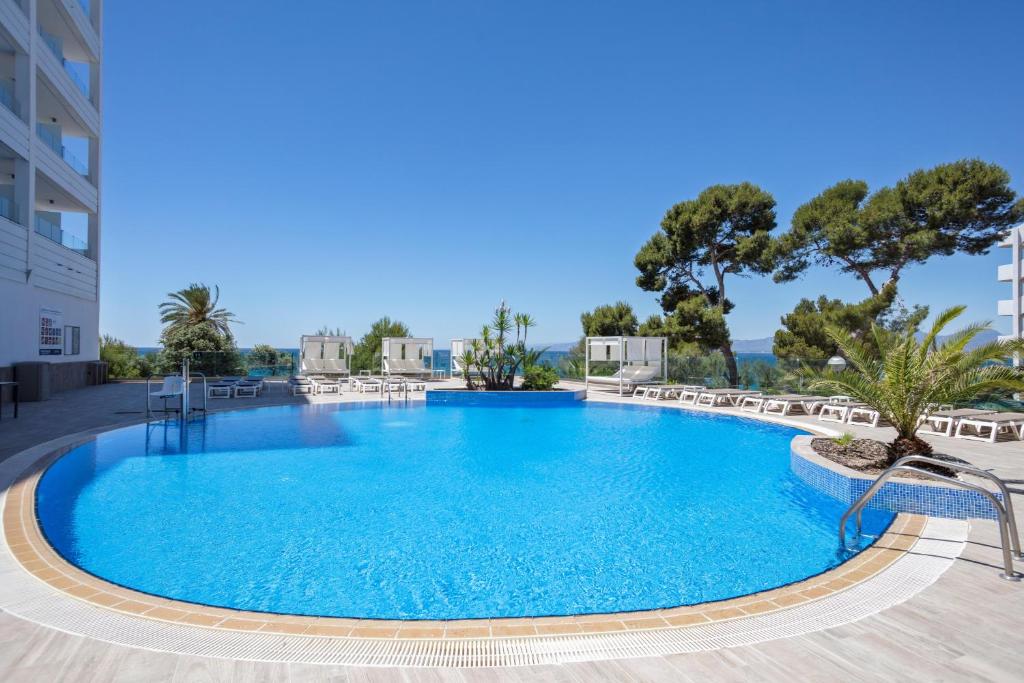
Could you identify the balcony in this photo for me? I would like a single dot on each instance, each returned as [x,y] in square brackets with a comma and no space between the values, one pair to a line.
[56,46]
[54,233]
[50,135]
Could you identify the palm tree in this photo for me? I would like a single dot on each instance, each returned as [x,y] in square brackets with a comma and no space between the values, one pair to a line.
[196,305]
[902,377]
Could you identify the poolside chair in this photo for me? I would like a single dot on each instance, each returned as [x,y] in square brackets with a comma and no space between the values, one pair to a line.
[364,384]
[660,391]
[995,423]
[785,405]
[323,385]
[172,387]
[691,393]
[246,389]
[220,389]
[630,377]
[756,403]
[943,422]
[301,385]
[712,398]
[837,412]
[871,416]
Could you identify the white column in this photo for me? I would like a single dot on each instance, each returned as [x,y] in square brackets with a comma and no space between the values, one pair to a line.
[1018,282]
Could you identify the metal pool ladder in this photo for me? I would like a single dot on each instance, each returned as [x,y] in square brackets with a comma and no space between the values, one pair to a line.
[1009,538]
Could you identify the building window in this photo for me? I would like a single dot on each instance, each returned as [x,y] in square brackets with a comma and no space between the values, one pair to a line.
[72,340]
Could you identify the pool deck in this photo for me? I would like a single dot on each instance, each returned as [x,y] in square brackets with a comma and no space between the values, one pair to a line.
[967,625]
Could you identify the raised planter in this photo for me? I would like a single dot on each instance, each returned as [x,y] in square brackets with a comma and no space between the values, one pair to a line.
[934,499]
[539,399]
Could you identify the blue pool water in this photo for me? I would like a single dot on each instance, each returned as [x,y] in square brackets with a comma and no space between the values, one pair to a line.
[443,512]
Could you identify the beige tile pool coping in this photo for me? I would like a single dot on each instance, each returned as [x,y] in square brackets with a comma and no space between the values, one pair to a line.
[36,556]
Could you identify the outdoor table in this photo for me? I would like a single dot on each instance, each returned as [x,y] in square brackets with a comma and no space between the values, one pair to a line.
[14,386]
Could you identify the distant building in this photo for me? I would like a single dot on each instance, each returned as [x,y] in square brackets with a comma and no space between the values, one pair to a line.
[1013,273]
[50,113]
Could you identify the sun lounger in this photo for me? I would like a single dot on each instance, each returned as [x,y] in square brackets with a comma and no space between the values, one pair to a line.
[995,423]
[301,385]
[246,389]
[660,391]
[364,384]
[943,422]
[837,411]
[691,394]
[756,403]
[870,416]
[716,397]
[785,405]
[629,377]
[220,389]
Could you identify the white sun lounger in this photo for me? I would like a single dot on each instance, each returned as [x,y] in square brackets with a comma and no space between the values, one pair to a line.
[659,391]
[943,422]
[995,423]
[870,416]
[760,403]
[837,412]
[629,377]
[716,397]
[366,384]
[301,385]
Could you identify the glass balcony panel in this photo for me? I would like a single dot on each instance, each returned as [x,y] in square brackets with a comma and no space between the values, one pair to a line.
[9,209]
[54,233]
[56,46]
[53,139]
[7,97]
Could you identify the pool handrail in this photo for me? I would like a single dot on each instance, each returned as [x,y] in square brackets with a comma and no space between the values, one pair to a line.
[1008,572]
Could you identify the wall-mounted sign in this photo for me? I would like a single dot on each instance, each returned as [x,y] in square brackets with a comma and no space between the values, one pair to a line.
[51,332]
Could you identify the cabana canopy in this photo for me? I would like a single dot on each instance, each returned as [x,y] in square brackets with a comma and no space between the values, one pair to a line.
[640,360]
[406,356]
[324,355]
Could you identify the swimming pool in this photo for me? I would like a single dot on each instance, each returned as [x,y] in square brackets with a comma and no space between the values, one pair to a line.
[443,512]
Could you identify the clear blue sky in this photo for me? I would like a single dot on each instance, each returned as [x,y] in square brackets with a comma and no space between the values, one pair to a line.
[331,162]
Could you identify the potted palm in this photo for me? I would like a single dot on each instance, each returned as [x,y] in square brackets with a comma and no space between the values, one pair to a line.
[903,375]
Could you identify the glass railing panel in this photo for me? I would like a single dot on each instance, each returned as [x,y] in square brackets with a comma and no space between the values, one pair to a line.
[56,46]
[54,233]
[54,141]
[7,97]
[9,209]
[51,138]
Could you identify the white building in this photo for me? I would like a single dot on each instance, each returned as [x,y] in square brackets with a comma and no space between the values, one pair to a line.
[50,114]
[1013,273]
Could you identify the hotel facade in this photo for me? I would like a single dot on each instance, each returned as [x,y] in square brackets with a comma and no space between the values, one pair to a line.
[1013,272]
[50,227]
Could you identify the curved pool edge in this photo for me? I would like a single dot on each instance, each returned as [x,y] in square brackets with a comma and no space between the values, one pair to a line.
[41,587]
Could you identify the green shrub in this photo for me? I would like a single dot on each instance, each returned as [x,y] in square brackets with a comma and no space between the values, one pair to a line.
[210,351]
[123,359]
[845,439]
[539,378]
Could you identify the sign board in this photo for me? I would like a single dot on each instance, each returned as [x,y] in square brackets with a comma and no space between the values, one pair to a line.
[51,332]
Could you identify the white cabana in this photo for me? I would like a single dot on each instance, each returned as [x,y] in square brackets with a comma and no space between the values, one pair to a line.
[325,355]
[409,356]
[639,360]
[459,346]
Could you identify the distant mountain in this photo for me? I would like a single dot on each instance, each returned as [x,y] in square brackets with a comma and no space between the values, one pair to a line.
[763,345]
[984,338]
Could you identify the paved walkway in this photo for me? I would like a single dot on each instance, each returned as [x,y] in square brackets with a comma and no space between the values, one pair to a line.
[966,626]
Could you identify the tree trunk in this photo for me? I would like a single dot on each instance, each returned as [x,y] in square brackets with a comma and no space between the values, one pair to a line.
[902,446]
[730,364]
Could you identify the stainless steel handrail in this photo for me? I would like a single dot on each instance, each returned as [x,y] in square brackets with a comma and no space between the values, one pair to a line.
[1008,571]
[985,474]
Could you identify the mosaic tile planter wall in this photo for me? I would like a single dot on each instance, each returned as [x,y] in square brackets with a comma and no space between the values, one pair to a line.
[895,496]
[533,399]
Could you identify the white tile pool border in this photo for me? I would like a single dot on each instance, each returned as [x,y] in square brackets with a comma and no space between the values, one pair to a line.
[27,597]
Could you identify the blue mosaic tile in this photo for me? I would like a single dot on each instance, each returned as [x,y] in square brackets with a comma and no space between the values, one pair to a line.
[934,501]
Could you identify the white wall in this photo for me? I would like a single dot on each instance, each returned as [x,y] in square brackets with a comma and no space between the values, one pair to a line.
[19,323]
